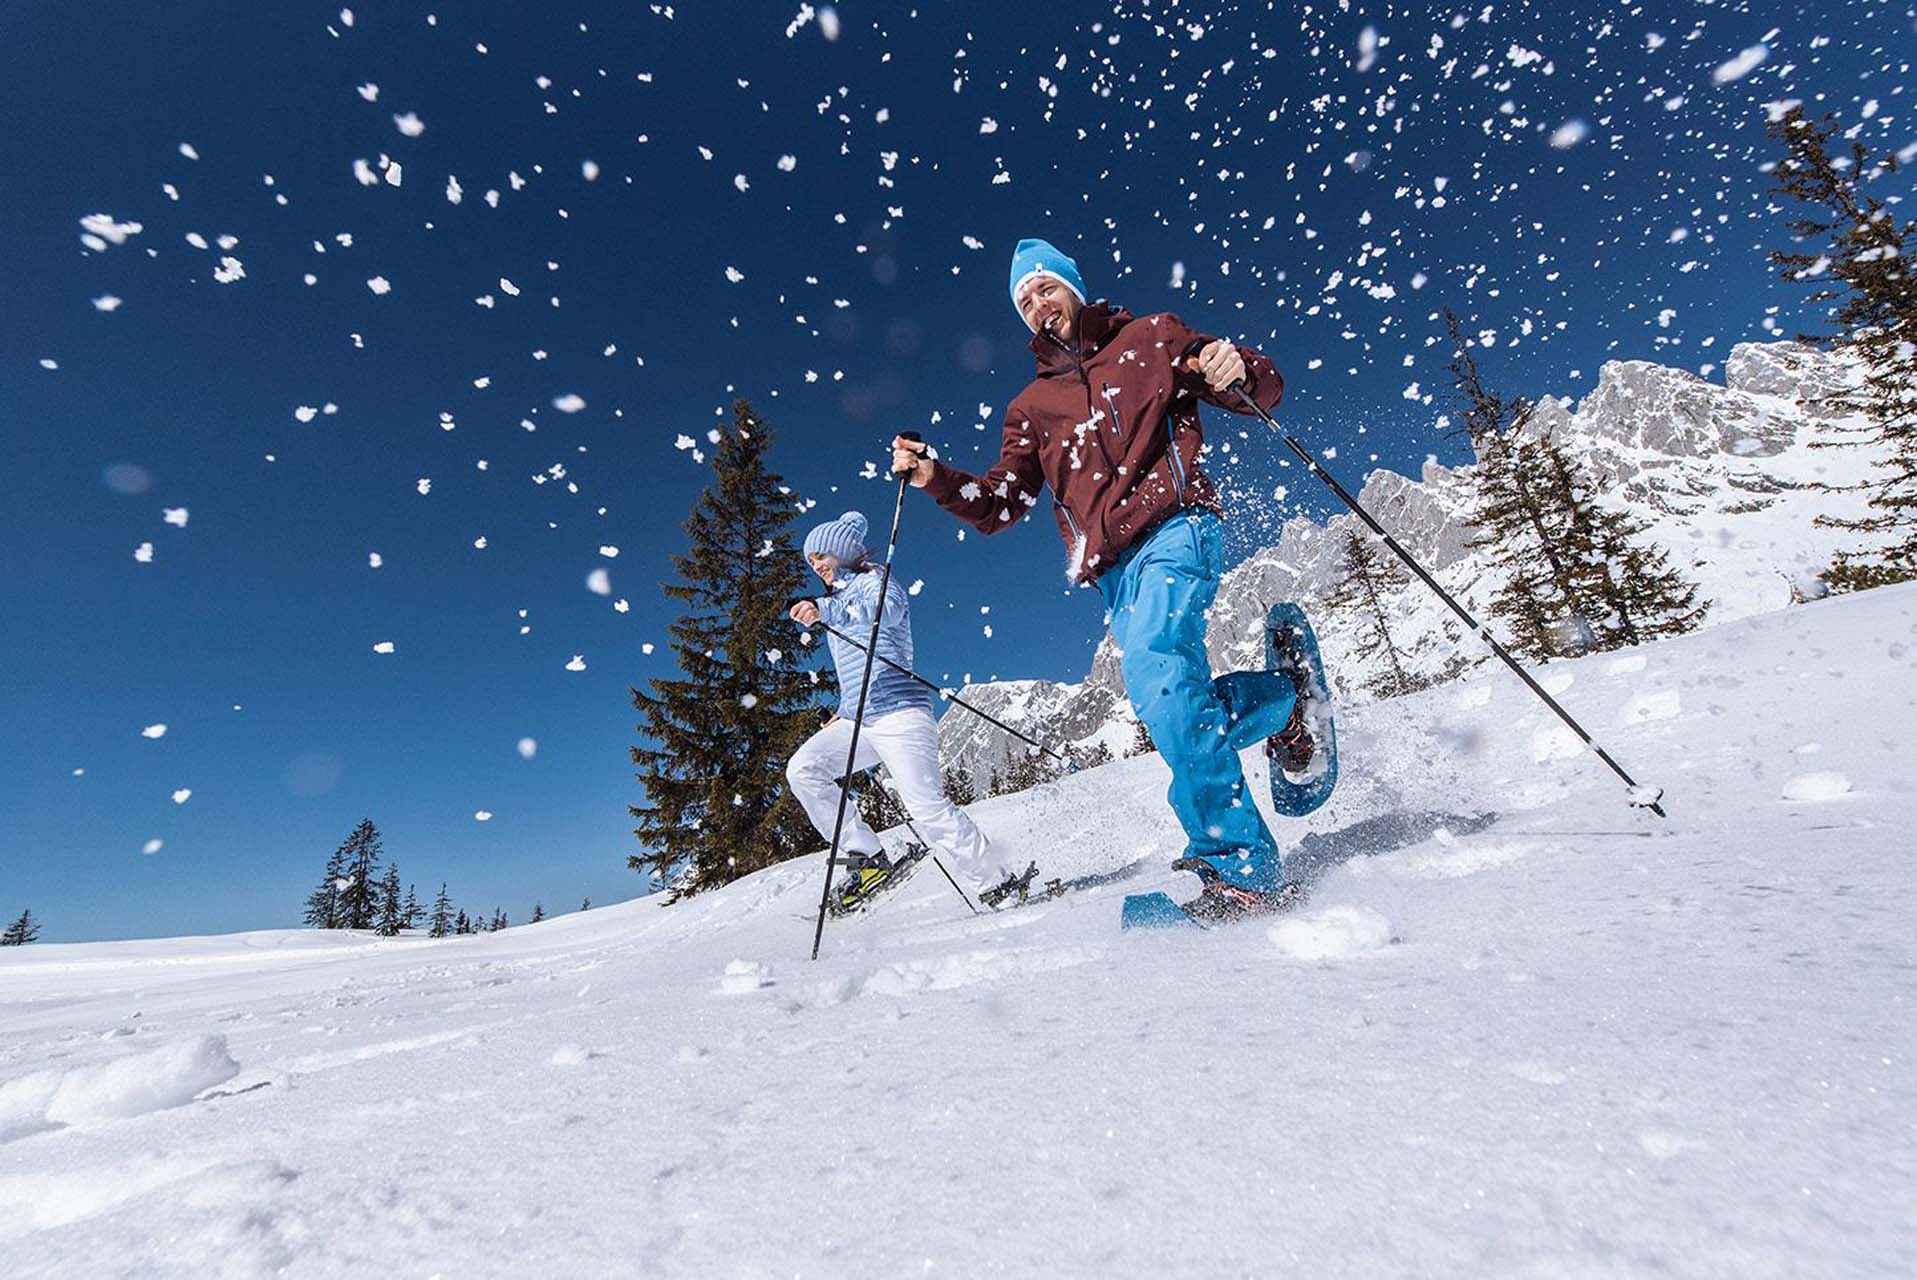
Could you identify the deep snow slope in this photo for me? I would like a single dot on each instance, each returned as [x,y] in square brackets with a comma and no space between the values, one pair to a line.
[1518,1029]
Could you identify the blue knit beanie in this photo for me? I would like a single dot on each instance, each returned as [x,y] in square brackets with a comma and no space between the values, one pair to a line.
[842,539]
[1038,257]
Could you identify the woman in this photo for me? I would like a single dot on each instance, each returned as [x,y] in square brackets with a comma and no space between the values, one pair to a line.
[897,731]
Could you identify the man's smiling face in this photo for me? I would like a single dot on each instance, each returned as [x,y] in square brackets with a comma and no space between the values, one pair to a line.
[1049,305]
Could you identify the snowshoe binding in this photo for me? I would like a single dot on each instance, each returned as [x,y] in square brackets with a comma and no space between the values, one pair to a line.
[1304,754]
[870,874]
[1218,902]
[1014,889]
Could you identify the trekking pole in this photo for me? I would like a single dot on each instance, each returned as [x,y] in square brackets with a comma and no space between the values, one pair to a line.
[865,687]
[952,698]
[1640,796]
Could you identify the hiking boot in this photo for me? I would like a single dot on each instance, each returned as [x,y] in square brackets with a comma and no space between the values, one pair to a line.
[1220,902]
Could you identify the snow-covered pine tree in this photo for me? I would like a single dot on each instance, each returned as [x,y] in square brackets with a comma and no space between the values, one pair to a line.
[585,904]
[1089,757]
[392,907]
[1024,769]
[21,931]
[717,739]
[499,920]
[1539,599]
[959,787]
[1141,744]
[440,922]
[1369,581]
[410,914]
[1615,565]
[539,912]
[322,905]
[358,906]
[1859,253]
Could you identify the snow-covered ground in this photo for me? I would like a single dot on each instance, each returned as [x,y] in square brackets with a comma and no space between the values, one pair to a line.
[1519,1029]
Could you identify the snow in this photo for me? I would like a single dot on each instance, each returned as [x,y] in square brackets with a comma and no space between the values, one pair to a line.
[1517,1028]
[1826,784]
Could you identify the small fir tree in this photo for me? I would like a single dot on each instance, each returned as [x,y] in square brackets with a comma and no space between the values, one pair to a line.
[1368,582]
[1857,254]
[959,787]
[410,914]
[359,899]
[499,921]
[585,904]
[539,912]
[22,931]
[392,905]
[1540,598]
[1089,757]
[1642,596]
[322,905]
[718,736]
[462,923]
[440,922]
[1141,744]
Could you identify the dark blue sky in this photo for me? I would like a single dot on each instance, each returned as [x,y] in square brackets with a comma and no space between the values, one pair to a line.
[693,205]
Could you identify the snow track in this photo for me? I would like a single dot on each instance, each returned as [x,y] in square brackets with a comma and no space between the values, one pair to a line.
[1517,1029]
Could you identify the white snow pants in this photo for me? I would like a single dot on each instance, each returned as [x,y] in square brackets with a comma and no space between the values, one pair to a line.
[906,742]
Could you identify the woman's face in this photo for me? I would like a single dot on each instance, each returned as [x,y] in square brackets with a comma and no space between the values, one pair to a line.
[824,565]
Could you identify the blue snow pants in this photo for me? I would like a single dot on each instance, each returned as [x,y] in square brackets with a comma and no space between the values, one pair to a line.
[1155,601]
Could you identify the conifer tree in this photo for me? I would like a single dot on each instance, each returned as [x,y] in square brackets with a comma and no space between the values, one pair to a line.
[322,905]
[1089,757]
[1539,598]
[392,908]
[359,900]
[499,921]
[462,923]
[440,922]
[539,912]
[1024,770]
[718,736]
[1642,596]
[1369,581]
[959,787]
[585,904]
[1859,255]
[21,931]
[410,914]
[1141,744]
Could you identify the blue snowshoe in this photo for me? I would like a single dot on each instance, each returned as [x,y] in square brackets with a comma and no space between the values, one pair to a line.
[1304,754]
[1218,902]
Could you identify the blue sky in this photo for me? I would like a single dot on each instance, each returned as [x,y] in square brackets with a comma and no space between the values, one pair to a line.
[696,204]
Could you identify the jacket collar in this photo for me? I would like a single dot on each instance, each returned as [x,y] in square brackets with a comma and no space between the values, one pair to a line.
[1098,323]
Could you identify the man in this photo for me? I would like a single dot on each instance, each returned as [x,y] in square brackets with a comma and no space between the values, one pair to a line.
[1111,425]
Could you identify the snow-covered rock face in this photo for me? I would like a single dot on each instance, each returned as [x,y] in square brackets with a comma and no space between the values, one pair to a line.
[1724,473]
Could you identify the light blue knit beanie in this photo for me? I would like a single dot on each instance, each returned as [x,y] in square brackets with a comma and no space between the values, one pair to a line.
[1039,257]
[842,539]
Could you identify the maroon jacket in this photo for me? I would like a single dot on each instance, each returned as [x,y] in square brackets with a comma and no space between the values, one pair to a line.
[1095,425]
